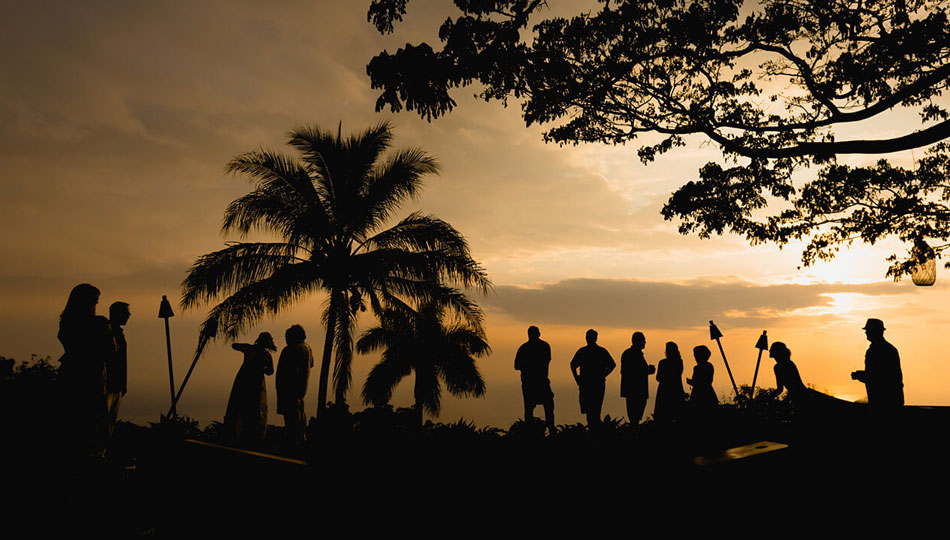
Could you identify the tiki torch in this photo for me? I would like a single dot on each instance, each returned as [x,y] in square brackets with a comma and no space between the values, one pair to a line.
[165,312]
[715,334]
[762,345]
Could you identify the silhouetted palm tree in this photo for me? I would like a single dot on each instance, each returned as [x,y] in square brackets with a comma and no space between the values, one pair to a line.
[421,341]
[328,209]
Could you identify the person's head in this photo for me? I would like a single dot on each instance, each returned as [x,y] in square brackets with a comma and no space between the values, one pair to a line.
[295,334]
[779,352]
[591,336]
[119,313]
[874,329]
[701,353]
[534,332]
[672,350]
[265,340]
[81,302]
[638,340]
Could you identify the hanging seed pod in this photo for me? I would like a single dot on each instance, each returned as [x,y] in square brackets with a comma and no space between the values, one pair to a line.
[924,274]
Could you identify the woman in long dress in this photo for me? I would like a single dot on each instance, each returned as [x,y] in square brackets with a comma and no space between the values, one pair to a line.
[670,397]
[703,398]
[87,343]
[246,416]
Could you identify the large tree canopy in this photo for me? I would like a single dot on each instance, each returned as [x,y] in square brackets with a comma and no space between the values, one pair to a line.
[769,82]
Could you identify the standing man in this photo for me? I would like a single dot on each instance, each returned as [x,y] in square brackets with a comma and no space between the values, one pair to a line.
[634,373]
[882,371]
[532,360]
[117,366]
[293,375]
[591,365]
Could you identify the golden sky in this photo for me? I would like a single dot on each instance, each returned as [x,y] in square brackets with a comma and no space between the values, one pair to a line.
[117,118]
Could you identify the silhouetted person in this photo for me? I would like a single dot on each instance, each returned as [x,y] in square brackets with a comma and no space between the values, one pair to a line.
[670,397]
[882,371]
[88,345]
[634,376]
[703,397]
[293,374]
[591,365]
[533,360]
[117,366]
[786,374]
[246,416]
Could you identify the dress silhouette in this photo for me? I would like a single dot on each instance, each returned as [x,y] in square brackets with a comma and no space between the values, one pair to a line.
[670,397]
[88,344]
[246,416]
[703,398]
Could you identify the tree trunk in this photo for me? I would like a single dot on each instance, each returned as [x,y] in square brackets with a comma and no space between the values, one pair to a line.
[416,392]
[327,354]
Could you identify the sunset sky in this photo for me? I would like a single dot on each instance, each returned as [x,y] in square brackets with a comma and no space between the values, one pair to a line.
[117,118]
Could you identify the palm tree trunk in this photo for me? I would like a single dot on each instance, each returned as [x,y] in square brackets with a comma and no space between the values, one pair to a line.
[417,393]
[327,353]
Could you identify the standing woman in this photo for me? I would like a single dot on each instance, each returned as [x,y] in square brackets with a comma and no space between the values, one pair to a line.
[246,416]
[703,398]
[670,397]
[88,345]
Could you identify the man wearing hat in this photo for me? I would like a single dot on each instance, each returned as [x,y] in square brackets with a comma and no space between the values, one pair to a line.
[882,370]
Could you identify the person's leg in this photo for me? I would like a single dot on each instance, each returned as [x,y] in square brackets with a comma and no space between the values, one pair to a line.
[301,426]
[528,404]
[549,415]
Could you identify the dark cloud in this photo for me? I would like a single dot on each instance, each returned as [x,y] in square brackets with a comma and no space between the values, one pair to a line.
[656,304]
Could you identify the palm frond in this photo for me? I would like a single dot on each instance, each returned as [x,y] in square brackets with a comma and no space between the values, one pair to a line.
[276,172]
[427,390]
[383,379]
[427,246]
[461,375]
[238,312]
[343,337]
[225,271]
[399,178]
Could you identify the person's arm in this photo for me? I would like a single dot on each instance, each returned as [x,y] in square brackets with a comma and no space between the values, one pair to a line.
[575,363]
[779,383]
[268,363]
[519,364]
[611,365]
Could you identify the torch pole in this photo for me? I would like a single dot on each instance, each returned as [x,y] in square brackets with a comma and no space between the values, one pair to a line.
[762,344]
[165,312]
[715,334]
[171,373]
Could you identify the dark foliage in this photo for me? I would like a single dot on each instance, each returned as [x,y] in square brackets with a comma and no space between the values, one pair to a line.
[768,82]
[328,206]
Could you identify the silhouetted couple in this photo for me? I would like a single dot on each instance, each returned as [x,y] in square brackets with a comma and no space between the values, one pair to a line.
[246,416]
[671,400]
[93,370]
